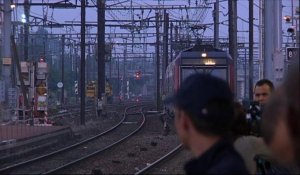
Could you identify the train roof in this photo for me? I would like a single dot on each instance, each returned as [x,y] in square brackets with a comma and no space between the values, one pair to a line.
[211,52]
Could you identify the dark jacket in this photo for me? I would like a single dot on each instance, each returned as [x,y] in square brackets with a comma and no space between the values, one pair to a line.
[221,158]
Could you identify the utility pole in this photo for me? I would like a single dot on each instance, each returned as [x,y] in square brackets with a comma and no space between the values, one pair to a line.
[157,62]
[26,28]
[261,41]
[6,53]
[250,50]
[82,65]
[76,68]
[272,40]
[110,68]
[176,39]
[216,24]
[89,72]
[62,99]
[232,9]
[165,47]
[24,89]
[124,72]
[171,42]
[118,90]
[101,48]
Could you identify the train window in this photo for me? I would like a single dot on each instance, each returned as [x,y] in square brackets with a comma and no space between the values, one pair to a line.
[218,72]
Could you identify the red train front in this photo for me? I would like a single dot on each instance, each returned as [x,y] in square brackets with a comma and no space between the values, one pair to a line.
[198,59]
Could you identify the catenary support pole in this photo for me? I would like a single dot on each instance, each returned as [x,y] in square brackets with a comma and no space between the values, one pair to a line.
[82,65]
[101,48]
[232,8]
[216,24]
[157,63]
[250,49]
[165,48]
[62,98]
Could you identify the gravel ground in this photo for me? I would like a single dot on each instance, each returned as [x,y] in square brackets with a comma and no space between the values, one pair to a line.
[55,161]
[134,154]
[174,165]
[93,126]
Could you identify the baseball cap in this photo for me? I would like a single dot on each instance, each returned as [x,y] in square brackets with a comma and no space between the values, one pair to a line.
[198,91]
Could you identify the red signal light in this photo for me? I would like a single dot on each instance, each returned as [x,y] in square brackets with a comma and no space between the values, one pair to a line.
[138,74]
[42,59]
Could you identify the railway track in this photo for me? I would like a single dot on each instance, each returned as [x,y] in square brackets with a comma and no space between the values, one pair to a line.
[134,154]
[159,162]
[75,109]
[73,154]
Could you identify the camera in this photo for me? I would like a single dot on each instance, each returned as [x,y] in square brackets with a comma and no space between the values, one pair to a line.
[254,111]
[254,115]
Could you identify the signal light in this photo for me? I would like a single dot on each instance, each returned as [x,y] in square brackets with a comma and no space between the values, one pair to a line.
[23,18]
[42,59]
[287,18]
[138,74]
[291,30]
[12,6]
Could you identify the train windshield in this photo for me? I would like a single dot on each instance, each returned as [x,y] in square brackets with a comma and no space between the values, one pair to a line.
[218,72]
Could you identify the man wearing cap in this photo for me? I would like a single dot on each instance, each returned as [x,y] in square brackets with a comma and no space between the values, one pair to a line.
[204,113]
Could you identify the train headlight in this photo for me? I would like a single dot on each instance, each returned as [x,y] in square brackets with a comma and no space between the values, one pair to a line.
[203,55]
[209,62]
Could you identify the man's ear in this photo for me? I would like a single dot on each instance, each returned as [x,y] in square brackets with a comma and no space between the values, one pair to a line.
[186,121]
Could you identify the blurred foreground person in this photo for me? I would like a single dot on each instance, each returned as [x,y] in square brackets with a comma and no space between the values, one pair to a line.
[204,113]
[281,120]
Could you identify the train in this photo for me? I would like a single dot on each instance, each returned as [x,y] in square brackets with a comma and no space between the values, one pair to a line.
[201,58]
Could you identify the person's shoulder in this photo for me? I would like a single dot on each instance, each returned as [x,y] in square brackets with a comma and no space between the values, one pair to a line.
[247,141]
[251,143]
[229,161]
[230,165]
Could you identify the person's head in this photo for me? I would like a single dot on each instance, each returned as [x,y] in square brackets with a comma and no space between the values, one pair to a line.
[281,120]
[203,104]
[262,91]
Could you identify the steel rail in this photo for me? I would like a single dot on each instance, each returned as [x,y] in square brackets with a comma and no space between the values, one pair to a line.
[160,160]
[103,149]
[21,164]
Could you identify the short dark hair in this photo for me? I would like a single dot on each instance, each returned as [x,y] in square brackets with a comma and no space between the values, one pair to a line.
[219,119]
[208,101]
[265,81]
